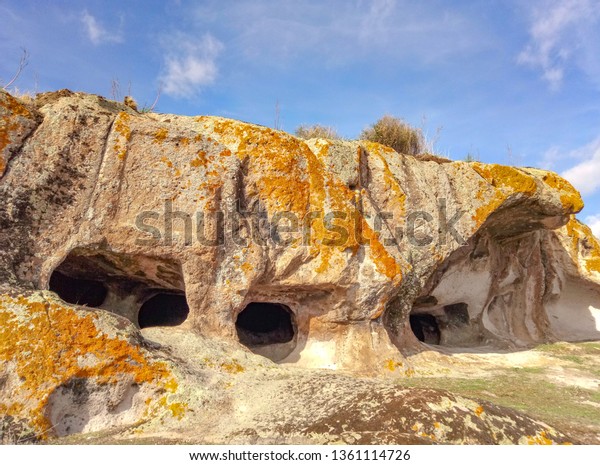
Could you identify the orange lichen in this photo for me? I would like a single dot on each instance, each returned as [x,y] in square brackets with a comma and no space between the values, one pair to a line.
[398,199]
[247,267]
[294,179]
[391,365]
[569,197]
[167,162]
[121,127]
[507,182]
[160,135]
[232,367]
[479,410]
[540,439]
[177,409]
[200,159]
[46,342]
[502,176]
[10,109]
[584,247]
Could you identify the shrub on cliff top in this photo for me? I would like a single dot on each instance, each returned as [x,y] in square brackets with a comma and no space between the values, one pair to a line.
[397,134]
[316,131]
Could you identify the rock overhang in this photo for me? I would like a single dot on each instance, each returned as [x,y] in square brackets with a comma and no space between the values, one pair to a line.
[230,212]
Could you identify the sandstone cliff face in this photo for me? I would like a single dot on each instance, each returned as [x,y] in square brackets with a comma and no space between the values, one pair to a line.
[319,254]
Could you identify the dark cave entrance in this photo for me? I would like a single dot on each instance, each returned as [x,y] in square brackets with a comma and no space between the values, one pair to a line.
[426,328]
[448,325]
[265,323]
[457,314]
[163,309]
[78,291]
[145,290]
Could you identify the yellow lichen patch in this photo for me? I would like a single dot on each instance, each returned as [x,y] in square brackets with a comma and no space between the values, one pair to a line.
[288,177]
[10,110]
[541,439]
[507,177]
[177,409]
[200,159]
[185,141]
[160,135]
[232,367]
[391,365]
[569,197]
[46,342]
[167,162]
[6,127]
[247,267]
[507,181]
[384,262]
[13,106]
[121,127]
[398,197]
[584,247]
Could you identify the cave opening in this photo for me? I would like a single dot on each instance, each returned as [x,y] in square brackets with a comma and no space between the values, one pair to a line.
[457,314]
[426,328]
[163,309]
[144,289]
[265,323]
[78,291]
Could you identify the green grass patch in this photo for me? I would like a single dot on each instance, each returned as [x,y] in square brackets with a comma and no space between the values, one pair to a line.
[527,390]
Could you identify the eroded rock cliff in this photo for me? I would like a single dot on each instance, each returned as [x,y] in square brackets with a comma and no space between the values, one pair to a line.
[321,254]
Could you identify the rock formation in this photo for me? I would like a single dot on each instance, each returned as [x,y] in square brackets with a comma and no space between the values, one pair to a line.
[318,254]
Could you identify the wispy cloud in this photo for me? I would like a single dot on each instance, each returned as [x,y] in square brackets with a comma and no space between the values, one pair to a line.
[563,33]
[97,33]
[343,32]
[190,64]
[585,175]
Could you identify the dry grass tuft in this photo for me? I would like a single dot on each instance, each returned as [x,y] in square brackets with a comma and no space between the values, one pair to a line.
[397,134]
[316,131]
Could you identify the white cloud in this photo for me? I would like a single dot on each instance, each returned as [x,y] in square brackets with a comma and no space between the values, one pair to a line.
[342,32]
[593,221]
[190,64]
[96,32]
[563,33]
[585,175]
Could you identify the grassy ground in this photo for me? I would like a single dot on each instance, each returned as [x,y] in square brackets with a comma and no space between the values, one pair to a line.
[560,385]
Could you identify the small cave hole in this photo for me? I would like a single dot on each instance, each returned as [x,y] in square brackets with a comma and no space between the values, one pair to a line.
[163,309]
[457,314]
[264,323]
[425,327]
[78,291]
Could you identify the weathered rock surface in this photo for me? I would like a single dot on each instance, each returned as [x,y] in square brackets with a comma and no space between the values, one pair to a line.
[337,254]
[99,374]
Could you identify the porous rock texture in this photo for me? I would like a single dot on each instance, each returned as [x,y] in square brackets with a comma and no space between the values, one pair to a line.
[365,250]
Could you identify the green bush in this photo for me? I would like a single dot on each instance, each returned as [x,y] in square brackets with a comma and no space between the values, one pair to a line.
[397,134]
[316,131]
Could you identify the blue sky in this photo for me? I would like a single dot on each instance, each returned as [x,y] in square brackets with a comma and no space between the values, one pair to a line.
[510,81]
